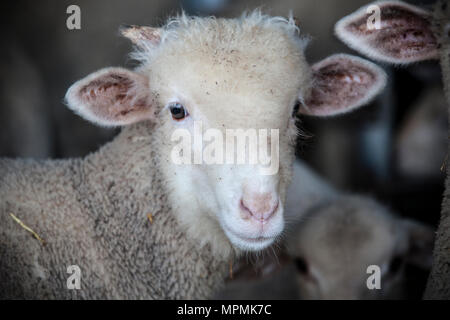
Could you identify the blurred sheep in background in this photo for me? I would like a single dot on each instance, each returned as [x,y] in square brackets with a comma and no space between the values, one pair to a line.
[334,247]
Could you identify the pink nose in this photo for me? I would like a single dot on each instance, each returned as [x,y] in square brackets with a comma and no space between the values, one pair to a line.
[260,206]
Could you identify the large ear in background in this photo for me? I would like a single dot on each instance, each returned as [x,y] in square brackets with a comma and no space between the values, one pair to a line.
[342,83]
[421,241]
[112,97]
[403,35]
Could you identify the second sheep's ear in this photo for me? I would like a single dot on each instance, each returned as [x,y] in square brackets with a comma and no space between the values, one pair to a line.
[342,83]
[390,31]
[112,97]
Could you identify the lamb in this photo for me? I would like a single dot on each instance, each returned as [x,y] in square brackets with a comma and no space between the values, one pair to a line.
[334,248]
[139,225]
[336,238]
[409,34]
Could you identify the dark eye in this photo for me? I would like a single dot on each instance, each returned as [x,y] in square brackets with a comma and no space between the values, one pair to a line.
[296,108]
[395,264]
[178,111]
[301,265]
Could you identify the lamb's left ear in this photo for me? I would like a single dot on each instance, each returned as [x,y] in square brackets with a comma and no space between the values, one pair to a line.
[342,83]
[112,97]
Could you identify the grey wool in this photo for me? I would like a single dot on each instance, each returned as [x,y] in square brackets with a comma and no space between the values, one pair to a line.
[93,213]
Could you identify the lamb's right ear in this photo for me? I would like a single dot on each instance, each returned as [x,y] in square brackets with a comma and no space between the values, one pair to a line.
[390,31]
[342,83]
[112,97]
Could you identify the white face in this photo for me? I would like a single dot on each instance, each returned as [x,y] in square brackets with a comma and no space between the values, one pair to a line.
[245,200]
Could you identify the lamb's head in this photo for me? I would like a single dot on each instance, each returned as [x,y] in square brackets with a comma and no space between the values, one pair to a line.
[200,80]
[334,248]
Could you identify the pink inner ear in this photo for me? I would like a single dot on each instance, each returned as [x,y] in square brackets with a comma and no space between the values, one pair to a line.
[337,85]
[405,33]
[114,97]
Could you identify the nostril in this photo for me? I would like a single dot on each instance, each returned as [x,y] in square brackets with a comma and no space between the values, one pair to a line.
[261,212]
[275,208]
[245,209]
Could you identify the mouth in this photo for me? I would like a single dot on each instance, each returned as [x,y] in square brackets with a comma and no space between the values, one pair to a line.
[248,243]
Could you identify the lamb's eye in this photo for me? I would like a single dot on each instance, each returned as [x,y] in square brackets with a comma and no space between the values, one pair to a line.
[178,111]
[301,265]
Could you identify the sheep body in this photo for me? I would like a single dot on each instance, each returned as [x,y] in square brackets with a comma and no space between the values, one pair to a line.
[93,213]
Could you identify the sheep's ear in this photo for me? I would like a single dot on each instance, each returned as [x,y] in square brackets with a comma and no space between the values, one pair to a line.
[421,241]
[112,97]
[141,36]
[390,31]
[342,83]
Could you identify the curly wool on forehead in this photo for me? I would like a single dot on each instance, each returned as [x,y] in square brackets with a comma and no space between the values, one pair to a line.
[254,54]
[252,30]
